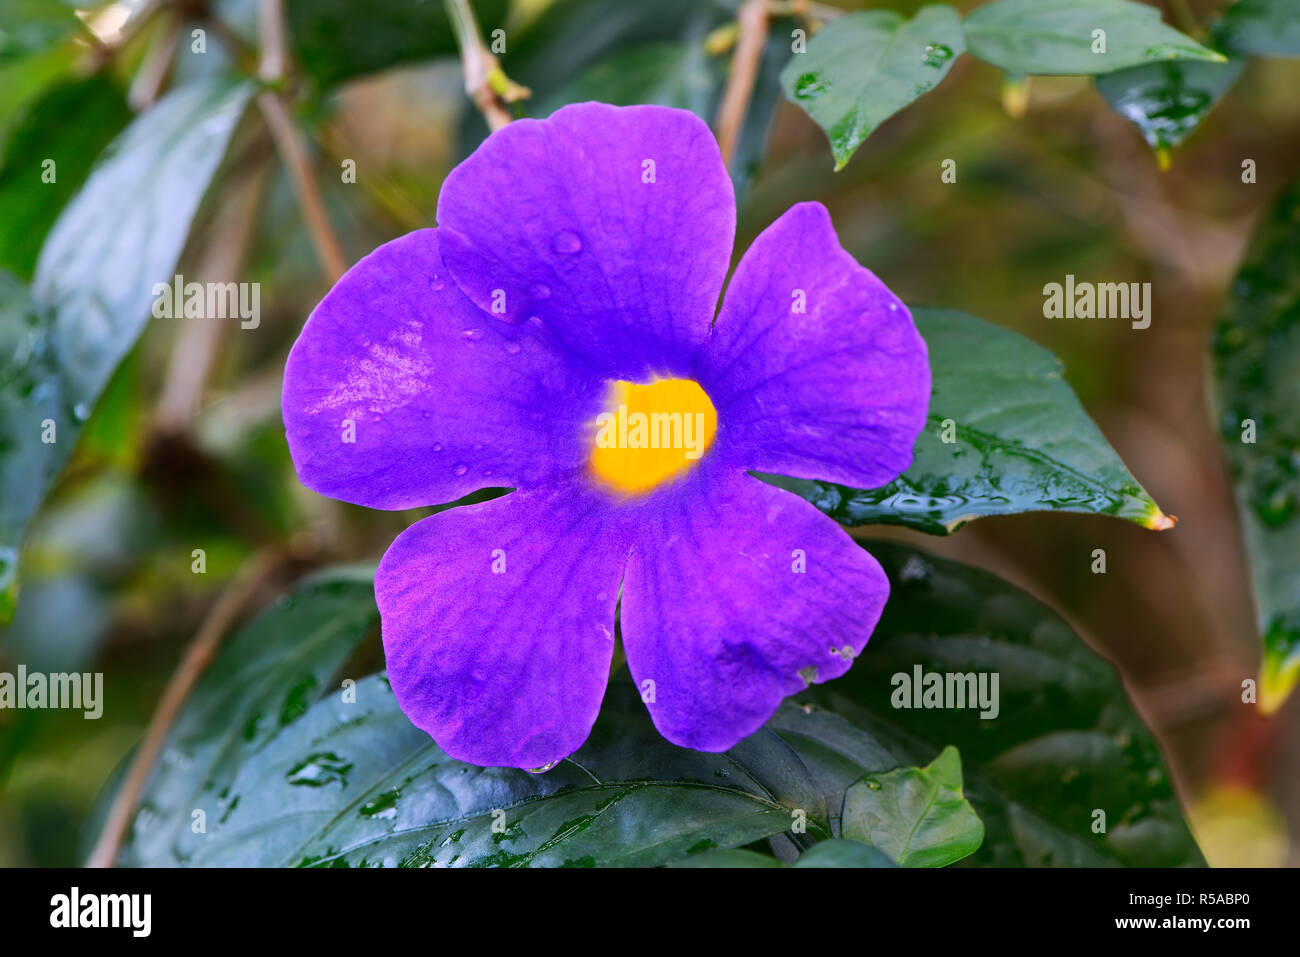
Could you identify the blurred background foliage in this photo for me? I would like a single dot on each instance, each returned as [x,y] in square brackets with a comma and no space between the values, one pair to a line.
[185,450]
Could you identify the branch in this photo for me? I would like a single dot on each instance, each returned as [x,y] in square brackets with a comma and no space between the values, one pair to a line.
[485,82]
[288,141]
[752,21]
[202,649]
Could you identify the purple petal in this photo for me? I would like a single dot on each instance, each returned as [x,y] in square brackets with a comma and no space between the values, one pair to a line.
[498,624]
[558,217]
[717,615]
[440,399]
[838,392]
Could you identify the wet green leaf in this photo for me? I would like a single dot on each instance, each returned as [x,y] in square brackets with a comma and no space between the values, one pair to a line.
[358,785]
[1261,27]
[1168,101]
[726,857]
[1064,743]
[267,676]
[1058,37]
[91,298]
[862,68]
[1021,442]
[917,816]
[1257,366]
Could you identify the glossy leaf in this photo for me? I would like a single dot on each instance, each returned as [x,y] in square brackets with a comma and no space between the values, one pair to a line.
[1168,101]
[265,679]
[91,297]
[862,68]
[358,785]
[844,853]
[1257,365]
[1261,27]
[1057,37]
[1064,743]
[726,857]
[917,816]
[1022,442]
[69,126]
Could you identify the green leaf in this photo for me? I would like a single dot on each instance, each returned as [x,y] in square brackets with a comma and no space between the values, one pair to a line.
[1167,101]
[726,857]
[91,298]
[844,853]
[358,785]
[862,68]
[1056,37]
[336,40]
[918,816]
[1261,27]
[1064,743]
[1257,366]
[1022,442]
[70,125]
[673,74]
[33,26]
[265,679]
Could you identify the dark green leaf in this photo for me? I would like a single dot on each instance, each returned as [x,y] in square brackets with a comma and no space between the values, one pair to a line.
[668,74]
[727,857]
[861,69]
[1167,101]
[917,816]
[335,40]
[1023,442]
[1257,362]
[1064,744]
[121,234]
[265,679]
[34,26]
[70,125]
[358,785]
[1261,27]
[1056,37]
[842,853]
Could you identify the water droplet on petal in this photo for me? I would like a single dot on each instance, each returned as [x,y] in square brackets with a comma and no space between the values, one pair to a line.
[473,335]
[540,290]
[513,348]
[436,283]
[437,446]
[566,241]
[460,469]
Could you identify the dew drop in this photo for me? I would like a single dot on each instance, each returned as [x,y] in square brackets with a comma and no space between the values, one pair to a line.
[810,86]
[460,469]
[81,412]
[436,283]
[473,335]
[566,241]
[540,290]
[936,54]
[513,348]
[437,446]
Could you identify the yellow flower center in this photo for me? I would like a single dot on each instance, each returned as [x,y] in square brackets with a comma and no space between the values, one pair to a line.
[652,433]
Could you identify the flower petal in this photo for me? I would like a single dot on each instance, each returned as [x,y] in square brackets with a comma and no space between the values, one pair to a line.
[612,225]
[400,392]
[716,612]
[837,392]
[498,624]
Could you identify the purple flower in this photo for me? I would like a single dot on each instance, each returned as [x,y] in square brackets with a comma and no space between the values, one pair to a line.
[569,288]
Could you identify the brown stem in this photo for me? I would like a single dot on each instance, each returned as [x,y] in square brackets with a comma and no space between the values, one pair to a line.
[202,649]
[752,21]
[288,140]
[488,87]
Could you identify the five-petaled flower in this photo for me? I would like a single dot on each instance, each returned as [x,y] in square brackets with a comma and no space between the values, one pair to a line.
[564,282]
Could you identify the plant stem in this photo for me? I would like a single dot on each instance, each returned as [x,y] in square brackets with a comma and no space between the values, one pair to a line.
[752,22]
